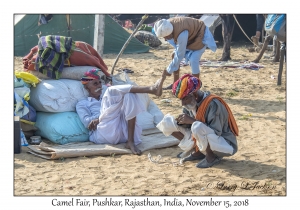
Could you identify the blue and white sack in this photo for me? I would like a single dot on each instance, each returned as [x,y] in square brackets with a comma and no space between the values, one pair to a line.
[275,25]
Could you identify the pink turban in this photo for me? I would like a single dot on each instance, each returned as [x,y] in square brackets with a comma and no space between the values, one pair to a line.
[186,85]
[90,75]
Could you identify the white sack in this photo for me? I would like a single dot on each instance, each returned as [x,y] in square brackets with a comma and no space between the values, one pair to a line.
[57,95]
[74,73]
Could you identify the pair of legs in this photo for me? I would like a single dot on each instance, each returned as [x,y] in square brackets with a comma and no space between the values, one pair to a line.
[210,147]
[260,20]
[210,156]
[194,60]
[155,89]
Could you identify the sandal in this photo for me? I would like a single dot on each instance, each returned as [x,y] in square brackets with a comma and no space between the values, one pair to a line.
[169,87]
[191,158]
[125,70]
[205,164]
[128,71]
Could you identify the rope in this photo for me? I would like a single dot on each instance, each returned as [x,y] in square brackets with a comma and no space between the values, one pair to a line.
[159,157]
[244,31]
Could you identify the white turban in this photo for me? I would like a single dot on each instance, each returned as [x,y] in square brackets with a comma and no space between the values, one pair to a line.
[163,28]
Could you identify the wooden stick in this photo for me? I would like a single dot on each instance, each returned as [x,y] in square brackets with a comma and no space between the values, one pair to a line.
[127,42]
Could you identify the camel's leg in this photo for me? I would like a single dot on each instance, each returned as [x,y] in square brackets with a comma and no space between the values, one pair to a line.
[227,31]
[282,54]
[277,52]
[263,49]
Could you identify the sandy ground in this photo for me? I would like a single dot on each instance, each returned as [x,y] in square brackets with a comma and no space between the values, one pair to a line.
[258,168]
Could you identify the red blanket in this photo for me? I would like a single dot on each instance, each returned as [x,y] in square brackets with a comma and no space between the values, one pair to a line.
[83,55]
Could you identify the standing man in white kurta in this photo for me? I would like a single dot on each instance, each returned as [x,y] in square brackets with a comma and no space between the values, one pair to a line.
[111,118]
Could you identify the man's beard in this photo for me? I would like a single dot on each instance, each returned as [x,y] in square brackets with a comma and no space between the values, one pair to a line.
[98,89]
[192,106]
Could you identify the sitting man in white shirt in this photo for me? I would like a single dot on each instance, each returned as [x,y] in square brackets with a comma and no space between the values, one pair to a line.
[111,118]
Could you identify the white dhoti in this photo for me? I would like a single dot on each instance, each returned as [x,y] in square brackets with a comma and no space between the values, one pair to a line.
[203,134]
[118,106]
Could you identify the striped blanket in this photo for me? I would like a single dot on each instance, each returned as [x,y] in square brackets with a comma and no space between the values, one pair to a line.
[52,52]
[226,64]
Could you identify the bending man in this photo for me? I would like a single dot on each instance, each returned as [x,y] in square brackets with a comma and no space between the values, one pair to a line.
[111,118]
[207,120]
[190,37]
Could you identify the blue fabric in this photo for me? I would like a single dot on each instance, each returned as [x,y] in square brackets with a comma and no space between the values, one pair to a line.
[179,52]
[31,115]
[21,106]
[279,23]
[153,32]
[61,128]
[193,57]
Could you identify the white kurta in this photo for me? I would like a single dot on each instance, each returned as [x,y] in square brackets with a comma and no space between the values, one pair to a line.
[114,110]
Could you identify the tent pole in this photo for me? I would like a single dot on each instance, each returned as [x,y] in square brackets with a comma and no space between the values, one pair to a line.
[69,26]
[99,34]
[127,42]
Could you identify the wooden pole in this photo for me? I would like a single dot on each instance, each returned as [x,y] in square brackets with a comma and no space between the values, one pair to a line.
[127,42]
[282,54]
[99,34]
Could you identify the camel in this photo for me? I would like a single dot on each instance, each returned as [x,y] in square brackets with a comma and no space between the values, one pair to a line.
[280,34]
[227,30]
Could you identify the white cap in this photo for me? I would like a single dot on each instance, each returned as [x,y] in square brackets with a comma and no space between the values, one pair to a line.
[163,28]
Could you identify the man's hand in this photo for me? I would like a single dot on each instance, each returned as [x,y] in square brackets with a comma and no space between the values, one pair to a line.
[185,119]
[93,124]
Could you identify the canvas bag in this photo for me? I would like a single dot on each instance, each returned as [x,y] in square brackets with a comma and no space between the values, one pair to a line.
[275,25]
[61,128]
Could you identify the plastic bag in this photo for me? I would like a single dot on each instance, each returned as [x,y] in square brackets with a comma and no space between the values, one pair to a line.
[21,107]
[23,139]
[19,82]
[31,115]
[23,92]
[27,77]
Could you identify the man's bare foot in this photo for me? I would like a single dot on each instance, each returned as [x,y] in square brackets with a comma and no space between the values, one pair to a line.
[157,87]
[133,148]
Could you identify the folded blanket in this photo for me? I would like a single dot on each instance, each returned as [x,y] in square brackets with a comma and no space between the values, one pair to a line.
[83,54]
[151,139]
[52,53]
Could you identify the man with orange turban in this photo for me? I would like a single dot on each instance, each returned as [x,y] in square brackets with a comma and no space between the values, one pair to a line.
[207,129]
